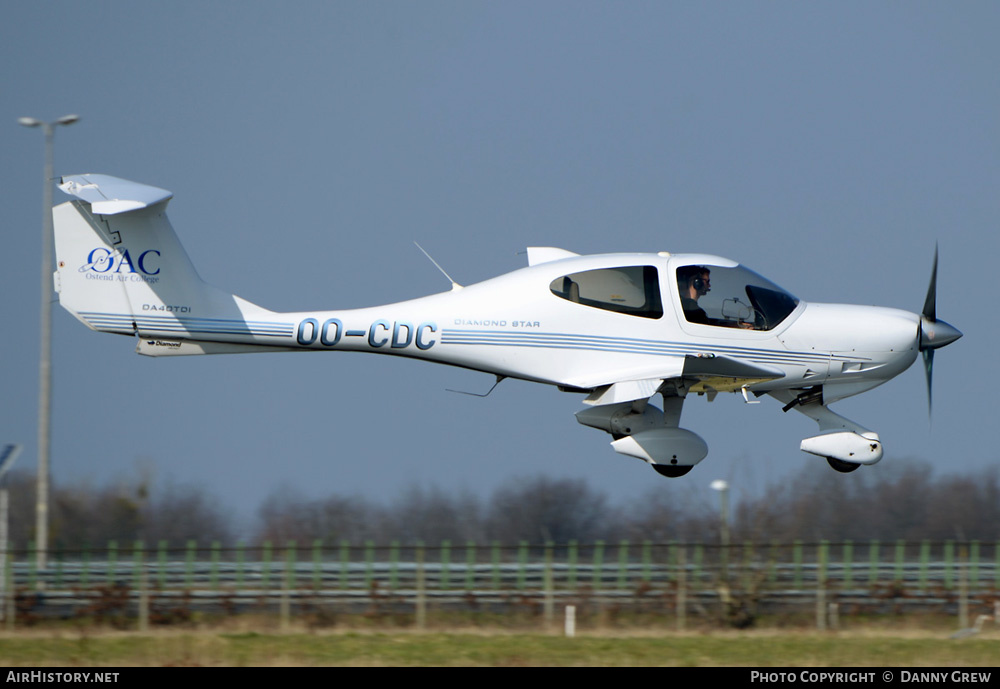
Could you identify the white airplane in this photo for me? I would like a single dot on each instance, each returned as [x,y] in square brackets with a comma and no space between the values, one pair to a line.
[618,328]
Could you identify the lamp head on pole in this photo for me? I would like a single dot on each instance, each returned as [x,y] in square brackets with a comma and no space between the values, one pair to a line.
[32,122]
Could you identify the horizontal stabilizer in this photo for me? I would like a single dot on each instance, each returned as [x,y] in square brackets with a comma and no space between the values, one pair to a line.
[109,195]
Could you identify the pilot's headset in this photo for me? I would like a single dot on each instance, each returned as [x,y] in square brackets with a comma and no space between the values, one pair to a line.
[698,282]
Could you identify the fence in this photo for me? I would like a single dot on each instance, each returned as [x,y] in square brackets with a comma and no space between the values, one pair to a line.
[676,580]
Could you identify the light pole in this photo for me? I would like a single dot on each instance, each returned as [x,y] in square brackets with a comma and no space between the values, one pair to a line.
[45,341]
[7,457]
[723,488]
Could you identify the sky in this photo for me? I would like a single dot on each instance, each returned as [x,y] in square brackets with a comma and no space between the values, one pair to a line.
[827,145]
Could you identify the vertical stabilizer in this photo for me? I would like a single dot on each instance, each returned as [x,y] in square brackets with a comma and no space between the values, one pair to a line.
[121,268]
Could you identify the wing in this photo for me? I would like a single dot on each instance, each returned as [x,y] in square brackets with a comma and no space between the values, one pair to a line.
[707,373]
[712,374]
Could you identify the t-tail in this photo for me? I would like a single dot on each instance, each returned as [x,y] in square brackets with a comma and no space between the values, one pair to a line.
[121,269]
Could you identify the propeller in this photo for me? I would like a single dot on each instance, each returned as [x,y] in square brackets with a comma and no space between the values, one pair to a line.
[934,333]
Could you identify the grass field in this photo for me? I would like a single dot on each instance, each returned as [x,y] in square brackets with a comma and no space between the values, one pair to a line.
[499,648]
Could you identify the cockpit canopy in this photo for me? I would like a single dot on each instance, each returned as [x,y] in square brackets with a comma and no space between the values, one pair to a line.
[733,297]
[723,296]
[633,290]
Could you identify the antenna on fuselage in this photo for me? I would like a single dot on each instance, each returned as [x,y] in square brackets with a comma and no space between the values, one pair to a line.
[454,285]
[476,394]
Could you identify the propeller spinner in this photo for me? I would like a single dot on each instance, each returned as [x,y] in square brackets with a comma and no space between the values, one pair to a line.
[934,333]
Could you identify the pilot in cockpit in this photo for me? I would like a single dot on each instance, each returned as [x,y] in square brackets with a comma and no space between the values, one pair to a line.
[694,282]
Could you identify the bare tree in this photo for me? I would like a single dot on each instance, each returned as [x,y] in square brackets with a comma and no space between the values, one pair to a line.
[287,516]
[964,507]
[543,509]
[671,512]
[180,513]
[84,515]
[899,501]
[904,501]
[21,507]
[433,515]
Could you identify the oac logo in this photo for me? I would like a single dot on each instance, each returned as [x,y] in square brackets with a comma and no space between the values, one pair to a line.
[102,260]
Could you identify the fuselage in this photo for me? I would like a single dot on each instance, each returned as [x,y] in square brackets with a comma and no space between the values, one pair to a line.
[527,325]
